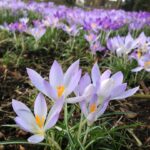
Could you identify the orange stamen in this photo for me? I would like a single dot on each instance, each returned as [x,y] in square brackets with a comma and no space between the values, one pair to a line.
[60,90]
[147,64]
[92,108]
[39,121]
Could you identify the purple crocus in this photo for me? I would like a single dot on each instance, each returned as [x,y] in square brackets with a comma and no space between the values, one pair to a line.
[39,122]
[96,47]
[60,84]
[107,88]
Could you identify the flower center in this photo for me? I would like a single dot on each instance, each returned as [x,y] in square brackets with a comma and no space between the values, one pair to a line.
[147,64]
[39,121]
[92,108]
[139,54]
[60,90]
[93,25]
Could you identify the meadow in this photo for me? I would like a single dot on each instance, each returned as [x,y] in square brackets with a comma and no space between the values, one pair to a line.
[84,73]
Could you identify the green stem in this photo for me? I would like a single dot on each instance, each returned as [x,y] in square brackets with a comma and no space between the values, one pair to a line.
[86,134]
[80,126]
[54,145]
[66,123]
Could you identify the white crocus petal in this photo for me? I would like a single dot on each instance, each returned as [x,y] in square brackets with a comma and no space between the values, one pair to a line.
[27,117]
[137,69]
[106,88]
[36,138]
[56,76]
[73,100]
[28,127]
[19,106]
[56,109]
[40,107]
[73,84]
[118,90]
[128,93]
[105,75]
[88,92]
[118,78]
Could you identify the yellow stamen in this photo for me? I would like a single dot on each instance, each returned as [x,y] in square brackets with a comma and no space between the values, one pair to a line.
[139,54]
[92,108]
[39,121]
[60,90]
[147,64]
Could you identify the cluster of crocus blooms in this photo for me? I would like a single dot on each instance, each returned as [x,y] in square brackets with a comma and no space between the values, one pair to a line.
[72,20]
[137,49]
[92,93]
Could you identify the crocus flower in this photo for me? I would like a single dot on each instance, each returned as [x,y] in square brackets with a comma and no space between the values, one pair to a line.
[39,122]
[107,88]
[36,32]
[122,45]
[60,84]
[143,63]
[91,37]
[96,47]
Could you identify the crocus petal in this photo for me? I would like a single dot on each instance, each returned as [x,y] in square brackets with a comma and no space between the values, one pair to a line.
[118,78]
[105,75]
[36,138]
[70,72]
[73,83]
[91,118]
[89,90]
[84,82]
[106,88]
[40,106]
[54,112]
[118,90]
[95,73]
[137,69]
[56,75]
[24,125]
[27,117]
[102,108]
[19,106]
[84,107]
[51,92]
[38,82]
[73,100]
[128,93]
[51,122]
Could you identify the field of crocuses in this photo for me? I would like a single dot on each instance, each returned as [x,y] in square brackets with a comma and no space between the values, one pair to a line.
[72,78]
